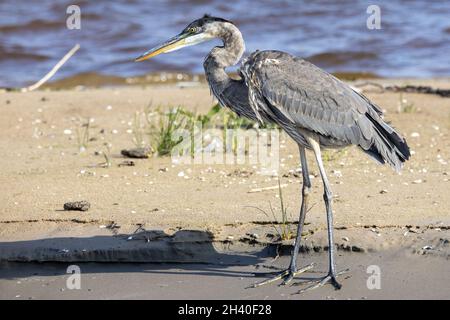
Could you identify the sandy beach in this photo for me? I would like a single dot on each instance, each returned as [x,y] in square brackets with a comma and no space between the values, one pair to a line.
[192,215]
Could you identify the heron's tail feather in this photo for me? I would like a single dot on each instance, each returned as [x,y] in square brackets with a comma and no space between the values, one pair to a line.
[388,146]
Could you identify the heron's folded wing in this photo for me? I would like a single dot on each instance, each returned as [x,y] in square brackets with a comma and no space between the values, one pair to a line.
[298,92]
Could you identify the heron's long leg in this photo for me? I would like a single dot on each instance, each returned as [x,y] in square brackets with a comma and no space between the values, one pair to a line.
[328,198]
[292,271]
[306,188]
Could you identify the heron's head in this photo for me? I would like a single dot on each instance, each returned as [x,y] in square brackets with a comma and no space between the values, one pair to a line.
[196,32]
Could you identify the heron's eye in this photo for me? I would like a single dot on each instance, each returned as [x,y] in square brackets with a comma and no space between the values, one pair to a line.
[192,30]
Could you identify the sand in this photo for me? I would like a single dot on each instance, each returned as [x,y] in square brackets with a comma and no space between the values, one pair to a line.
[398,280]
[376,210]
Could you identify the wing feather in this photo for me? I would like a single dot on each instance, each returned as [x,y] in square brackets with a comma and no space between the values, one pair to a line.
[305,96]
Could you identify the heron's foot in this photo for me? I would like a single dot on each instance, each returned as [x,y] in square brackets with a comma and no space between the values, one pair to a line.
[286,275]
[328,279]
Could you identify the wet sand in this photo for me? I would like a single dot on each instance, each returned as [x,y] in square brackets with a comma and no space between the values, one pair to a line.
[402,276]
[208,211]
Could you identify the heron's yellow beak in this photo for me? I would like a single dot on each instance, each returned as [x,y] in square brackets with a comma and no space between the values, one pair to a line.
[178,42]
[173,44]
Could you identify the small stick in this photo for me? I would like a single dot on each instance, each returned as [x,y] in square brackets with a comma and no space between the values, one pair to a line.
[53,71]
[267,188]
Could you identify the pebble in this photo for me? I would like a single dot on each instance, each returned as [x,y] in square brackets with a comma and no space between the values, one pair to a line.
[336,173]
[375,231]
[77,206]
[127,163]
[253,235]
[358,249]
[138,153]
[415,135]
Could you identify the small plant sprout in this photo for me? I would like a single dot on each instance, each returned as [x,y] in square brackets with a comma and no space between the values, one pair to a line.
[107,155]
[138,130]
[284,229]
[169,123]
[83,134]
[286,232]
[405,106]
[162,128]
[207,119]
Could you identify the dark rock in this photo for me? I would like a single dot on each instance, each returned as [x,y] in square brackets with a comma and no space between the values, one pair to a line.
[138,153]
[358,249]
[77,206]
[127,163]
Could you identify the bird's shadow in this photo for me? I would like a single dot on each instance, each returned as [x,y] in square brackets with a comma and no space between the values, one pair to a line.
[147,251]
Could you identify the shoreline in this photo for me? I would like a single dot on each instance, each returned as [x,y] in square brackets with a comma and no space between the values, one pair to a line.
[92,80]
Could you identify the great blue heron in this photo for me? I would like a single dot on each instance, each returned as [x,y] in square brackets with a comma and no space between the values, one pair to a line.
[316,110]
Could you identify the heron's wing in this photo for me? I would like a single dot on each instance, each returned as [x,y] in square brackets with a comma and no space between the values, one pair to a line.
[297,93]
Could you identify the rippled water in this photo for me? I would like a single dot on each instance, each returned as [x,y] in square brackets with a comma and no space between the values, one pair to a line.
[413,41]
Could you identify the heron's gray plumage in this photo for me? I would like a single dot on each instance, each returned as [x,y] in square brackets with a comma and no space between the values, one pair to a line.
[300,97]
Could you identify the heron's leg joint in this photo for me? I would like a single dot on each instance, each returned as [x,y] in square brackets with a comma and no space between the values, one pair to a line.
[306,190]
[327,196]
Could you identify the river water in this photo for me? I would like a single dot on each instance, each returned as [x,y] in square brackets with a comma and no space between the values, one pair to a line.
[414,39]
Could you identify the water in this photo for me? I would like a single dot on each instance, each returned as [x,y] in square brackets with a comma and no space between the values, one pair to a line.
[413,41]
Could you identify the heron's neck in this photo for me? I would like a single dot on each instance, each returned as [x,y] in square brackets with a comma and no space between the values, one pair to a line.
[222,57]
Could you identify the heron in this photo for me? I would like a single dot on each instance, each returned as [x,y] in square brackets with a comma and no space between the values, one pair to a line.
[317,110]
